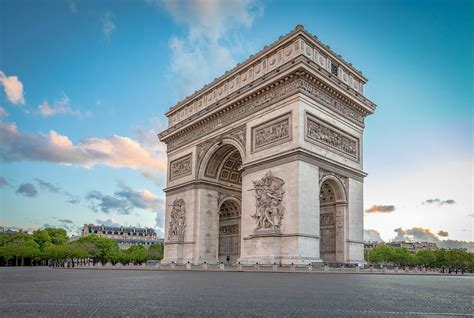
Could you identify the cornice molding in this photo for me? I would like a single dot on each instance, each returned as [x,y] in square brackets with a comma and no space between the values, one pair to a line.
[299,80]
[297,43]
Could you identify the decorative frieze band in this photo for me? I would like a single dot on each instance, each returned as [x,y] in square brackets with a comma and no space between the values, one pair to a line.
[181,167]
[271,133]
[277,55]
[259,101]
[325,134]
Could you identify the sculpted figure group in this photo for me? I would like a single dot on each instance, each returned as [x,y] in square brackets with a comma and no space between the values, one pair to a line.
[269,210]
[177,220]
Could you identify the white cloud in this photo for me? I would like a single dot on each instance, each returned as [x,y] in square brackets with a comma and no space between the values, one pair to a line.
[125,201]
[212,34]
[108,24]
[13,88]
[61,106]
[113,151]
[407,188]
[3,112]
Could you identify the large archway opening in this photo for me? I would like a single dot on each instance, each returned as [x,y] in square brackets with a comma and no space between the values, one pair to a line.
[332,210]
[222,167]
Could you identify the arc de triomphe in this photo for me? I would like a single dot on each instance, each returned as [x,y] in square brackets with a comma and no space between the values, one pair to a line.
[265,162]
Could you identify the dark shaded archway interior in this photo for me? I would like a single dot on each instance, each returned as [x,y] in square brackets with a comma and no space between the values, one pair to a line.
[224,167]
[327,222]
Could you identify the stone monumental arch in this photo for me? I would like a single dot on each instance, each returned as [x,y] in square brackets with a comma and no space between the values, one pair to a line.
[265,162]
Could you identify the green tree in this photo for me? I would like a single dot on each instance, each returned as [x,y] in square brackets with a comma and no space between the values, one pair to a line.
[104,246]
[381,254]
[137,253]
[426,258]
[155,251]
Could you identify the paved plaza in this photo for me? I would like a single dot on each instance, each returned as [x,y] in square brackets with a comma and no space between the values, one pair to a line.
[45,292]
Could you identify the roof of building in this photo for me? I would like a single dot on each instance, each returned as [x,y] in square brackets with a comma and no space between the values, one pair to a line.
[149,231]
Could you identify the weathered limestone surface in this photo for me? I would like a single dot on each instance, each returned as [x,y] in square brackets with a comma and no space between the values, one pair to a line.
[267,161]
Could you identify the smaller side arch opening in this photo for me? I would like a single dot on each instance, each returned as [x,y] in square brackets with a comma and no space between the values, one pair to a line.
[332,209]
[229,231]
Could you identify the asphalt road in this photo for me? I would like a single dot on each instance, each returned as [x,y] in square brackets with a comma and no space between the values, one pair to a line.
[44,292]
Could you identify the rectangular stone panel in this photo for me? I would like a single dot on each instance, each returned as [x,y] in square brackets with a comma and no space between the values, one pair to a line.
[180,167]
[325,135]
[271,133]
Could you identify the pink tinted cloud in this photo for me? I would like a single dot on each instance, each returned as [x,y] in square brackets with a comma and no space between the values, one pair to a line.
[13,88]
[114,151]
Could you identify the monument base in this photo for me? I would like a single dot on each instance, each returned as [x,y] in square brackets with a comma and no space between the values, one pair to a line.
[265,247]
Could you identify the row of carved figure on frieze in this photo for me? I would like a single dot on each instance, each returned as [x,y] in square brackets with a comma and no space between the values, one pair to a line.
[319,132]
[266,64]
[259,102]
[272,133]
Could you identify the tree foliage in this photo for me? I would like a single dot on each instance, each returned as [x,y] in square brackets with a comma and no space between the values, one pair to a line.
[453,258]
[52,246]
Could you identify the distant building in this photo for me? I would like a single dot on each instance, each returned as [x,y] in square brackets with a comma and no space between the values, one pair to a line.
[125,236]
[9,230]
[415,246]
[371,244]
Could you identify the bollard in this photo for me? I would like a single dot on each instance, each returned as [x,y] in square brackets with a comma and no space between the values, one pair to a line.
[371,268]
[239,266]
[293,267]
[310,267]
[275,267]
[326,268]
[204,266]
[172,265]
[188,265]
[256,266]
[221,266]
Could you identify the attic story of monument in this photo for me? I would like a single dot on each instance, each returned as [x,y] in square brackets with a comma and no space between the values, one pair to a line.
[265,163]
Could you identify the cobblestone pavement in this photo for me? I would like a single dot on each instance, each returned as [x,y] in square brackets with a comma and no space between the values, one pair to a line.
[45,292]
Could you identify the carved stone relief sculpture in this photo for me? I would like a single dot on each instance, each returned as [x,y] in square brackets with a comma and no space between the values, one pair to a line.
[180,167]
[272,133]
[269,210]
[321,133]
[177,221]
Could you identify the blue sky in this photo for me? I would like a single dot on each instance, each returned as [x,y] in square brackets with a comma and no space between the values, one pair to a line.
[85,86]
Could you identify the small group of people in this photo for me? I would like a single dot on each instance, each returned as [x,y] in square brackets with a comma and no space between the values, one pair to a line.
[450,270]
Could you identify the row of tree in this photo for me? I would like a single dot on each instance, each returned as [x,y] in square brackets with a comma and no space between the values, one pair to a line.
[452,258]
[53,246]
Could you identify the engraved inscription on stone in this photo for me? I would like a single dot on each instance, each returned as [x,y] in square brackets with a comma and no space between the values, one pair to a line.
[272,133]
[180,167]
[322,133]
